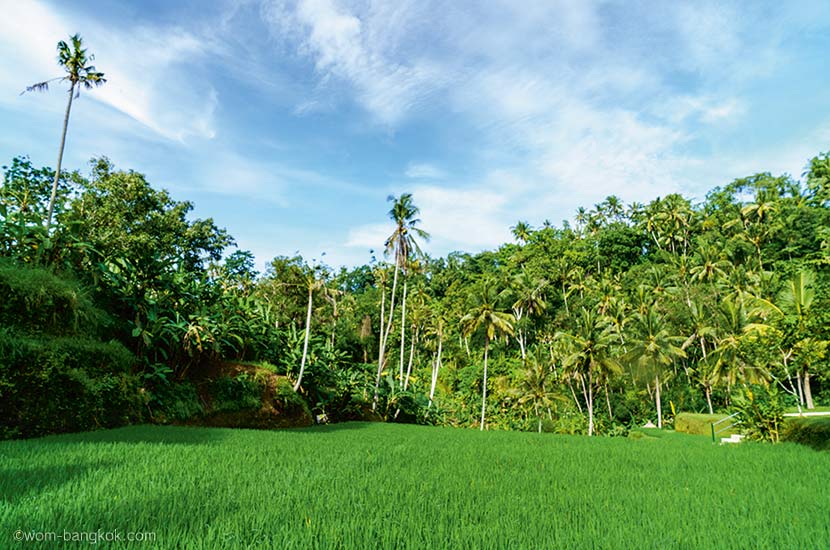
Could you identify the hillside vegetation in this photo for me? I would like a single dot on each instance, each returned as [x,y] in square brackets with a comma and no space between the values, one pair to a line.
[633,313]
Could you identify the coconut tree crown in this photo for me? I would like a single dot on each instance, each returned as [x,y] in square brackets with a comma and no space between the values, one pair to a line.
[77,64]
[402,241]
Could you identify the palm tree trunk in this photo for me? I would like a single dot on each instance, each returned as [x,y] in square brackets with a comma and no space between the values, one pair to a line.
[657,399]
[305,343]
[800,389]
[590,404]
[383,334]
[484,384]
[573,393]
[435,368]
[709,398]
[60,159]
[808,393]
[411,357]
[608,402]
[403,331]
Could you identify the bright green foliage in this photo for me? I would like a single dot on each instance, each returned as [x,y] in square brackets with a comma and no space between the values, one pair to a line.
[595,327]
[696,424]
[354,486]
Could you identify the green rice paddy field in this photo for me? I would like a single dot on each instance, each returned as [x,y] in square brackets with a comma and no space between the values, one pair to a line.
[379,485]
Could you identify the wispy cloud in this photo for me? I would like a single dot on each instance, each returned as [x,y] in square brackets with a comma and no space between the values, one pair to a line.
[147,70]
[424,170]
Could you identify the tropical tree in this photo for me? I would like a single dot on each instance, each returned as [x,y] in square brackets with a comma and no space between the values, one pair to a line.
[521,231]
[402,244]
[534,388]
[653,348]
[79,73]
[529,299]
[485,314]
[589,355]
[795,301]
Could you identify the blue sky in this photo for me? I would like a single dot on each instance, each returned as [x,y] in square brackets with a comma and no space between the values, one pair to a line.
[290,122]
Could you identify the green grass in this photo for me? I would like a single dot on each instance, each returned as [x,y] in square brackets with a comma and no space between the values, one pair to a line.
[806,410]
[379,485]
[700,424]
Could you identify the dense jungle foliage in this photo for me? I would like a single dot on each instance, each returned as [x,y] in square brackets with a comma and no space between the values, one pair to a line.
[122,309]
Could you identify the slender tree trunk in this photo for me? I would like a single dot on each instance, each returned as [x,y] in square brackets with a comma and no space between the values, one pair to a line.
[565,299]
[411,357]
[305,343]
[60,160]
[590,404]
[573,393]
[467,345]
[808,393]
[800,389]
[709,398]
[484,385]
[435,368]
[380,347]
[520,337]
[657,399]
[403,331]
[384,333]
[706,386]
[608,402]
[333,321]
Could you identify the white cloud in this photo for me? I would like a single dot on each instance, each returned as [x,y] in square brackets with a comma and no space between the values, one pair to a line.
[345,47]
[424,170]
[370,236]
[147,69]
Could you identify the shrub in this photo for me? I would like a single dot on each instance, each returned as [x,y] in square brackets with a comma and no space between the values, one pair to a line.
[291,403]
[175,402]
[36,300]
[762,413]
[52,385]
[814,432]
[236,393]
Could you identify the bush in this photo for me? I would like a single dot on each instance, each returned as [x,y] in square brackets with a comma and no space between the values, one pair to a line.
[814,432]
[236,393]
[290,402]
[762,413]
[53,385]
[36,300]
[175,402]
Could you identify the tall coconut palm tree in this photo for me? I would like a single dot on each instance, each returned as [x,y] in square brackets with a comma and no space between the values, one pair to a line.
[590,355]
[702,328]
[529,299]
[402,244]
[79,73]
[795,300]
[485,314]
[652,349]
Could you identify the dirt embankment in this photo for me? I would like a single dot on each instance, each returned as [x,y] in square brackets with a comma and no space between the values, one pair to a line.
[279,406]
